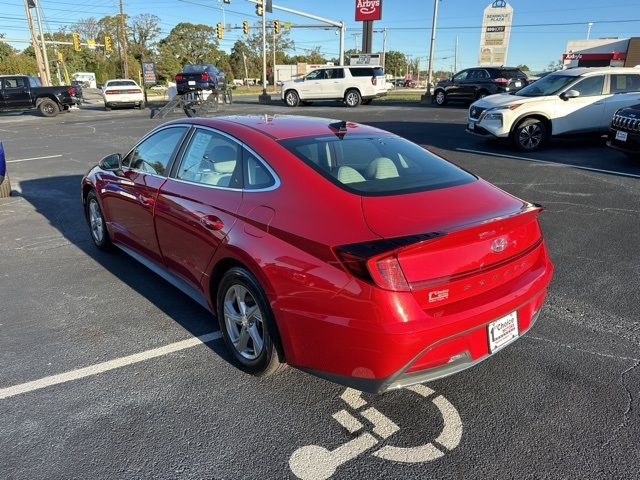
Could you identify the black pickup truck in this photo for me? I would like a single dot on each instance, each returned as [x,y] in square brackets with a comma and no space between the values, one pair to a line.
[19,92]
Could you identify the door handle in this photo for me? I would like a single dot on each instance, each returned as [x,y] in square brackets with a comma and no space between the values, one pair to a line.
[211,222]
[146,201]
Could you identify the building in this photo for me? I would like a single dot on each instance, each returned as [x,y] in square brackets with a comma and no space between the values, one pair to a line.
[602,52]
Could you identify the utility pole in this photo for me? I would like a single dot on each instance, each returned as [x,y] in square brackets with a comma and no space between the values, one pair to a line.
[355,41]
[123,42]
[274,57]
[41,70]
[589,25]
[246,71]
[432,48]
[384,47]
[455,57]
[264,98]
[45,57]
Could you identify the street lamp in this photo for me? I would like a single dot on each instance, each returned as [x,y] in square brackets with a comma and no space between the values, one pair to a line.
[590,24]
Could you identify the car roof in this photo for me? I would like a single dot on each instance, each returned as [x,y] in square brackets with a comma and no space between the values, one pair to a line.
[120,80]
[580,71]
[279,127]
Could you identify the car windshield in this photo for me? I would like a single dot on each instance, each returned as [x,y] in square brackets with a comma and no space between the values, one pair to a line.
[196,68]
[549,85]
[376,165]
[122,83]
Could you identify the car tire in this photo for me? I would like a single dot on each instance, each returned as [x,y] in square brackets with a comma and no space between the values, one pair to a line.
[97,223]
[440,98]
[291,98]
[367,101]
[5,187]
[529,135]
[481,94]
[247,323]
[48,108]
[142,106]
[107,107]
[352,98]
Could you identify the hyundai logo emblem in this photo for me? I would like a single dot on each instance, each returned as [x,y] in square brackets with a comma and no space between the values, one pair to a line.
[498,245]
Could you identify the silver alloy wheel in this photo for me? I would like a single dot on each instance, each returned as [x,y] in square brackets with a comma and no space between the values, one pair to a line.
[49,108]
[440,97]
[352,98]
[95,221]
[243,319]
[530,136]
[292,99]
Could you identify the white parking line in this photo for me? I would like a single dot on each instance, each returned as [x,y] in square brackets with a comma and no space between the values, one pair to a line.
[106,366]
[34,158]
[547,162]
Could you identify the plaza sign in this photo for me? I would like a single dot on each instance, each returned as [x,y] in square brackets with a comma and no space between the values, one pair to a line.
[494,37]
[367,10]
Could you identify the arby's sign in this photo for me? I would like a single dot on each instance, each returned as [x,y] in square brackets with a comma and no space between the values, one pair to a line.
[368,10]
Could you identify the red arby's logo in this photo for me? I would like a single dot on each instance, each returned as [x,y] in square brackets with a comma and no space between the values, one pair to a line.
[368,10]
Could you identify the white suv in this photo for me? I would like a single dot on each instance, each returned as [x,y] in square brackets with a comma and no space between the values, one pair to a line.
[352,85]
[571,101]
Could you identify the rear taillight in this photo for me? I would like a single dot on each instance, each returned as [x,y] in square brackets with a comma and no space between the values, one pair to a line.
[111,92]
[384,271]
[134,91]
[374,80]
[72,91]
[204,76]
[501,81]
[179,77]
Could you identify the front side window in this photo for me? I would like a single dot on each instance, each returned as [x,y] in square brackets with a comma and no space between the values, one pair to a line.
[376,165]
[153,155]
[316,75]
[211,159]
[625,83]
[461,76]
[590,86]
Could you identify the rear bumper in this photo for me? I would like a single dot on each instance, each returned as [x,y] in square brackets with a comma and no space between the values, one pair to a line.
[413,345]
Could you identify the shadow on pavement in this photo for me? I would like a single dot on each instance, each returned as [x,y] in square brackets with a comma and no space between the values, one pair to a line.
[58,200]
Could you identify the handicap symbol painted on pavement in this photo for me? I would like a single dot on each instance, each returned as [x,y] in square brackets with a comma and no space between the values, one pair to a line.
[314,462]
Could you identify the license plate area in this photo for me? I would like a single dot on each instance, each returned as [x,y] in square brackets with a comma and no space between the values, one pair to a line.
[502,332]
[192,82]
[471,126]
[621,136]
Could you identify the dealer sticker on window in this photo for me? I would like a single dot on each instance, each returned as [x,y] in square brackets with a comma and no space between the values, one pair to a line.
[503,331]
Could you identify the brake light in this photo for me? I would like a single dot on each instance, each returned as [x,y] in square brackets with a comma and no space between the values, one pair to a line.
[374,80]
[179,77]
[501,81]
[111,92]
[384,271]
[72,91]
[135,90]
[204,76]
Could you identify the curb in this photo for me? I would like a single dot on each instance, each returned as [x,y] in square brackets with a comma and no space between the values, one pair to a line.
[5,184]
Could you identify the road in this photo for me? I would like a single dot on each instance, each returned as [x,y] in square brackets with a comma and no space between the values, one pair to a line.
[101,375]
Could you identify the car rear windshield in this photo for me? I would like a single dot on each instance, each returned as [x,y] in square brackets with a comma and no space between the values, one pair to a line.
[367,72]
[376,165]
[122,83]
[510,73]
[197,68]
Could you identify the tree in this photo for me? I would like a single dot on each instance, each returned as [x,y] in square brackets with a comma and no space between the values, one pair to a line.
[313,55]
[145,29]
[523,67]
[239,52]
[188,43]
[395,63]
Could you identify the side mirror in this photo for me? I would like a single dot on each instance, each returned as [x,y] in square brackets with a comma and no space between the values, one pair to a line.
[569,94]
[111,162]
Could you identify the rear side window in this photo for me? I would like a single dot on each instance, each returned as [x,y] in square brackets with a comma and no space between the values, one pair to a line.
[376,165]
[378,72]
[361,72]
[256,175]
[625,83]
[331,73]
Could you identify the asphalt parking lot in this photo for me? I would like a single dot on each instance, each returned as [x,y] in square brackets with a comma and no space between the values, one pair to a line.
[106,371]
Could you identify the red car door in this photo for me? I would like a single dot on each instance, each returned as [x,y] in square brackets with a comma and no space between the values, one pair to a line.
[197,206]
[129,200]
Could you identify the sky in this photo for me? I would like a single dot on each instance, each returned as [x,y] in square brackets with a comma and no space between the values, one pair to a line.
[535,40]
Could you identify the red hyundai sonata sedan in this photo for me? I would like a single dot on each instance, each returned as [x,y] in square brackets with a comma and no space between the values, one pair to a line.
[338,248]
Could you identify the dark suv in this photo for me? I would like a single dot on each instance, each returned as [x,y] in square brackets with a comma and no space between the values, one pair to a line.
[475,83]
[201,76]
[624,134]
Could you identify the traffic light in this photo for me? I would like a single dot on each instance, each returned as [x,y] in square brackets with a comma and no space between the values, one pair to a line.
[245,27]
[259,10]
[76,41]
[60,57]
[276,27]
[219,30]
[107,43]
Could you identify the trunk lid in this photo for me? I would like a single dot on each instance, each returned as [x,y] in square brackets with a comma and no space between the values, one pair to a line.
[480,228]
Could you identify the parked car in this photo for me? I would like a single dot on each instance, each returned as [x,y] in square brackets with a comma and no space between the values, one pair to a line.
[19,92]
[122,92]
[475,83]
[579,100]
[624,133]
[412,268]
[200,76]
[350,84]
[79,93]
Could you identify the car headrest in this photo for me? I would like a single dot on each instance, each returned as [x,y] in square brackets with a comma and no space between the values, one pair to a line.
[380,168]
